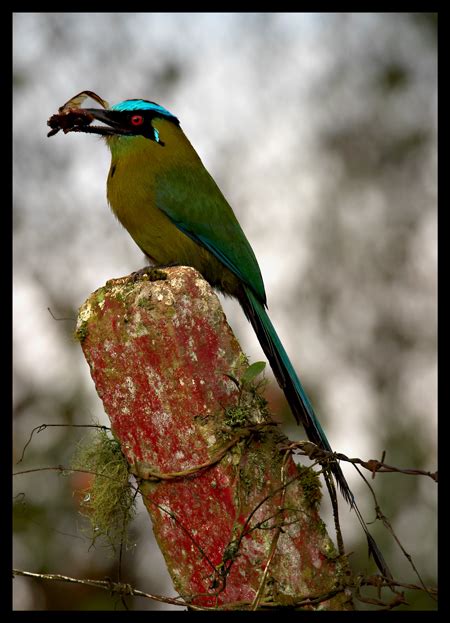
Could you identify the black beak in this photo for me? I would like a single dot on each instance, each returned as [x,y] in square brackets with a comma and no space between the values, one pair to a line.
[80,119]
[111,118]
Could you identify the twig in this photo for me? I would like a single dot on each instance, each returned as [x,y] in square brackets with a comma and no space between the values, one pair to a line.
[113,587]
[41,427]
[276,536]
[307,448]
[126,589]
[380,515]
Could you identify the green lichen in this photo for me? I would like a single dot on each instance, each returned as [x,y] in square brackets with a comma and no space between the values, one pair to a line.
[100,296]
[310,483]
[145,303]
[109,500]
[236,416]
[328,548]
[242,360]
[260,457]
[252,406]
[81,331]
[321,527]
[258,401]
[240,365]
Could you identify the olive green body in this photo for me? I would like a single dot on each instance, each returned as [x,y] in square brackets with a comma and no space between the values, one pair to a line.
[174,211]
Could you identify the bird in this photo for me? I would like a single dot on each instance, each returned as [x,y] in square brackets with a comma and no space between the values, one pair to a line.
[163,195]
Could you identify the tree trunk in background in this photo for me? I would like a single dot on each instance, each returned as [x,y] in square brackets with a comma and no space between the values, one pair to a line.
[236,520]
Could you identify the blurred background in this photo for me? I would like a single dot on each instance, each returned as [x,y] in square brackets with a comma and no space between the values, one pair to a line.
[320,130]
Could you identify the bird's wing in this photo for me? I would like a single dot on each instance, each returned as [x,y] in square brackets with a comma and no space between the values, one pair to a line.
[195,204]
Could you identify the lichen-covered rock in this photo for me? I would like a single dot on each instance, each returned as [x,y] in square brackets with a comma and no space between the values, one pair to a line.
[167,367]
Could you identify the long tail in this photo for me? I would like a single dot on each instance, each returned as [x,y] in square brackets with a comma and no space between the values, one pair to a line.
[289,381]
[299,401]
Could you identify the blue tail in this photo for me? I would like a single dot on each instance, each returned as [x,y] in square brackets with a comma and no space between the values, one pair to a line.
[289,381]
[299,402]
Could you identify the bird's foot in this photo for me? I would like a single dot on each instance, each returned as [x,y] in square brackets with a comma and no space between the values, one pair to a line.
[149,273]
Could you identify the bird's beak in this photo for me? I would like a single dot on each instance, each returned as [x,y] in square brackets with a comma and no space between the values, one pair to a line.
[79,120]
[112,118]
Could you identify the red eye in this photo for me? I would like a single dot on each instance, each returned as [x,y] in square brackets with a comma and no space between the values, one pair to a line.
[137,120]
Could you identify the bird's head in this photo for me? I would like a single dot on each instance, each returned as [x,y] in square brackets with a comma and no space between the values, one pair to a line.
[134,117]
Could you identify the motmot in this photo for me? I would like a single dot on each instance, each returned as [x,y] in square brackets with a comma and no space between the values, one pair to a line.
[163,195]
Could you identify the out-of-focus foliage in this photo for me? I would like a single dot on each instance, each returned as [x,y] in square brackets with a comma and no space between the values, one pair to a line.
[321,131]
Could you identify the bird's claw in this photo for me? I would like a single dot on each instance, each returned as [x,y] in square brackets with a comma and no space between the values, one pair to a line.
[148,273]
